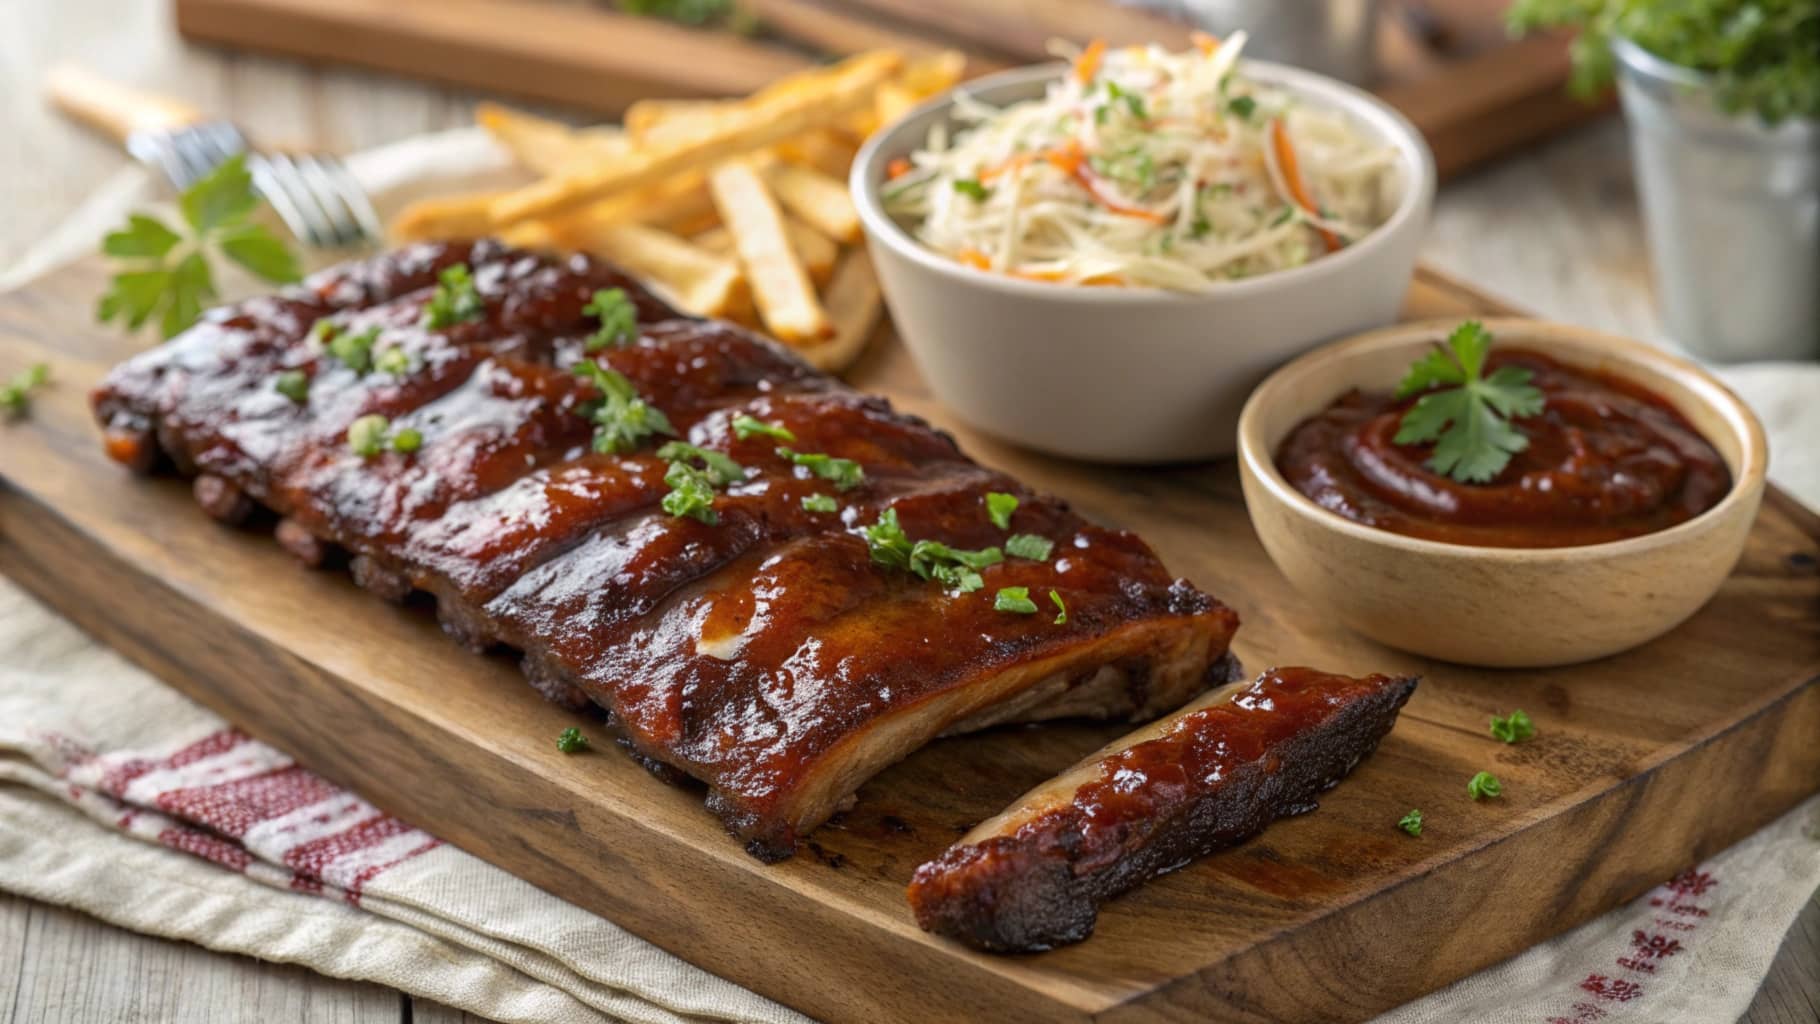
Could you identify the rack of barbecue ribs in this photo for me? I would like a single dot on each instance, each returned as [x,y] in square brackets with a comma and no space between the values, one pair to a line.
[773,584]
[1215,773]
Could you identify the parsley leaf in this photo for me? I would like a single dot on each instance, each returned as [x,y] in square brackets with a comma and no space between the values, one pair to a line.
[294,385]
[571,741]
[691,486]
[166,275]
[1484,786]
[1464,412]
[16,394]
[844,474]
[367,435]
[1030,546]
[455,300]
[1242,107]
[820,503]
[972,189]
[618,318]
[622,420]
[999,507]
[1411,823]
[887,542]
[1014,599]
[1514,727]
[355,351]
[746,427]
[1061,614]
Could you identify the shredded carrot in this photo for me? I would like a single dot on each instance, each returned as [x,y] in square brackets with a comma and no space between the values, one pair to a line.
[974,258]
[1071,160]
[1204,42]
[1088,64]
[897,168]
[1292,177]
[1016,163]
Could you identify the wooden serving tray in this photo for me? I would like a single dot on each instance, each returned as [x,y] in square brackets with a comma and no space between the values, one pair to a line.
[1644,763]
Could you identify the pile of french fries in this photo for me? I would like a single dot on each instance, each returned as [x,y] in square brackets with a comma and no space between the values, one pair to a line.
[736,209]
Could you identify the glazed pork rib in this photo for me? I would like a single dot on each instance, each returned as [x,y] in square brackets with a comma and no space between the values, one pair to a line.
[1033,877]
[769,653]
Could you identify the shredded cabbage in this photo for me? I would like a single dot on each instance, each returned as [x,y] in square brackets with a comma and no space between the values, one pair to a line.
[1148,168]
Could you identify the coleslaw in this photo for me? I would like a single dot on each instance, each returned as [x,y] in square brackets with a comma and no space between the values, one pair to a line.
[1144,167]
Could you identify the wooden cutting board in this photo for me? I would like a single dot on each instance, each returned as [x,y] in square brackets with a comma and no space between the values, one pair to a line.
[1644,763]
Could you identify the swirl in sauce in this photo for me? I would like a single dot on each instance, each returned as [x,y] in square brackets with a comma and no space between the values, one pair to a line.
[1606,460]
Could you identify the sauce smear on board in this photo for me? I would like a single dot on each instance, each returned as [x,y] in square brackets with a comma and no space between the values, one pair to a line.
[1607,459]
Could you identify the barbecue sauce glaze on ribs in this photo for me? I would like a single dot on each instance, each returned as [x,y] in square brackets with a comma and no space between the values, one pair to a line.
[766,655]
[1215,773]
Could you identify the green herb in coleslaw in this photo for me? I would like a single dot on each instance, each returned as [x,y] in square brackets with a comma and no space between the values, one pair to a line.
[1147,168]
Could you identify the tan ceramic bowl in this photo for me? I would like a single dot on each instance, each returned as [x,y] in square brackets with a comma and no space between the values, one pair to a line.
[1499,607]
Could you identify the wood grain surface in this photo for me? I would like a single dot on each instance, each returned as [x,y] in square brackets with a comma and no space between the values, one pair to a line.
[1555,229]
[1646,763]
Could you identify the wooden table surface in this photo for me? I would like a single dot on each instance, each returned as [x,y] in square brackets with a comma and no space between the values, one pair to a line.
[1555,231]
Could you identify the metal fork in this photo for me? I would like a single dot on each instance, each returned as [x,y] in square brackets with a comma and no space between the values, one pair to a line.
[314,194]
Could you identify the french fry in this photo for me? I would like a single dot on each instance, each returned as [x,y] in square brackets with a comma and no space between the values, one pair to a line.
[461,216]
[649,121]
[780,285]
[547,147]
[816,250]
[937,72]
[820,98]
[698,281]
[821,201]
[854,307]
[827,151]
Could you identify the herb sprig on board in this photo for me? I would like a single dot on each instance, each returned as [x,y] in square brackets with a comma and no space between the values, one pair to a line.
[166,274]
[1465,412]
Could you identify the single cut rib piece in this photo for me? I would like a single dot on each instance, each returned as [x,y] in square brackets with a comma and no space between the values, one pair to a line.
[1208,776]
[765,653]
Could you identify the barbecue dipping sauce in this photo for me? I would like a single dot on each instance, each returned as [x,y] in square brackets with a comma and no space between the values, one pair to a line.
[1606,460]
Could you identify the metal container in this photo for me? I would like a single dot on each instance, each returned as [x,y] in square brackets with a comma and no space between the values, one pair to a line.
[1332,37]
[1731,206]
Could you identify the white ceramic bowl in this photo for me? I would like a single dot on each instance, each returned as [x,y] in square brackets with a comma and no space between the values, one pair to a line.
[1131,375]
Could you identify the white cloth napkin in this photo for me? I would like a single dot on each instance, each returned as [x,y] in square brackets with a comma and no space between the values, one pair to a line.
[123,799]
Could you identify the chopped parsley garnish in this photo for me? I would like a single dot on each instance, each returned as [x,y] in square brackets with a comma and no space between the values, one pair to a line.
[571,741]
[953,568]
[1484,786]
[1132,166]
[972,189]
[355,351]
[407,440]
[1242,107]
[166,274]
[1030,546]
[1464,412]
[1014,599]
[820,503]
[746,427]
[294,385]
[394,361]
[367,435]
[618,318]
[1411,823]
[844,474]
[1283,216]
[999,507]
[1514,727]
[692,486]
[16,394]
[455,300]
[1061,610]
[622,420]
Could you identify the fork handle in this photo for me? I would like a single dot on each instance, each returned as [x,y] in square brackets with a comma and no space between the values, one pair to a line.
[114,109]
